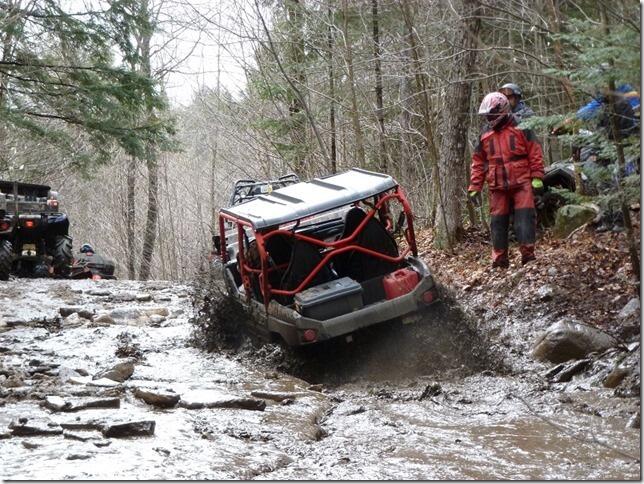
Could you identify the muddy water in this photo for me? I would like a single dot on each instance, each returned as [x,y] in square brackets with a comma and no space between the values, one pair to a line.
[419,422]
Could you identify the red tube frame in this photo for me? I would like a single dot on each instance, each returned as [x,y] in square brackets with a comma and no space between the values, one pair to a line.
[337,246]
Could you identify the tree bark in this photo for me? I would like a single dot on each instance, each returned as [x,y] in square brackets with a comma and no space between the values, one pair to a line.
[149,238]
[130,218]
[456,106]
[330,45]
[380,113]
[150,235]
[355,114]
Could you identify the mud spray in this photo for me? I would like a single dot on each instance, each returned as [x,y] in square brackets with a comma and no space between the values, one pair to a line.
[445,342]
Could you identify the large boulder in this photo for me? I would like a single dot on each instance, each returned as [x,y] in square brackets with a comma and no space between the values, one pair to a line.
[119,372]
[571,217]
[569,340]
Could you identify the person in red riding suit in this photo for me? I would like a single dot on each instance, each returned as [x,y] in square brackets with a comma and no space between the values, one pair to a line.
[510,160]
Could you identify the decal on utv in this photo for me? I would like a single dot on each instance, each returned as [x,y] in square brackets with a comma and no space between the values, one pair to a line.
[316,260]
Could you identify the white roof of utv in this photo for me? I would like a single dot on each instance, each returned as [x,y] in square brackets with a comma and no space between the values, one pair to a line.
[312,197]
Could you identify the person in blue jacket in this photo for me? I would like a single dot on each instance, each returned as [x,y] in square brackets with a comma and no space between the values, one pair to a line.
[625,91]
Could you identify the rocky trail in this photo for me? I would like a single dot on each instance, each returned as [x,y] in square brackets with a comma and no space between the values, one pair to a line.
[104,380]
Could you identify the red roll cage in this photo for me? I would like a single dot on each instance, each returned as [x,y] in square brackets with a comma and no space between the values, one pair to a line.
[331,248]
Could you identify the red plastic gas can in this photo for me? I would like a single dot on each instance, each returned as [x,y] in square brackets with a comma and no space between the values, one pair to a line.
[399,282]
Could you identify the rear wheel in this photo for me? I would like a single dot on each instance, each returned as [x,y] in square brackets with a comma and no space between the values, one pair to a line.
[6,259]
[62,254]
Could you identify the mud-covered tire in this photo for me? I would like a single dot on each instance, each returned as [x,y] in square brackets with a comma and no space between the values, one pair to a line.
[6,259]
[62,254]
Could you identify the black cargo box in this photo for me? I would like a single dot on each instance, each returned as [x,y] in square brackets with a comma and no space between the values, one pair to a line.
[331,299]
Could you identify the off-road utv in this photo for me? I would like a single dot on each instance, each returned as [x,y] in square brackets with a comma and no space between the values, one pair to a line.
[319,260]
[34,240]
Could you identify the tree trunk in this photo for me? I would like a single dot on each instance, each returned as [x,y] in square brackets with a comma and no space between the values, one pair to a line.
[149,238]
[330,44]
[456,105]
[150,235]
[621,163]
[355,114]
[296,64]
[380,114]
[130,218]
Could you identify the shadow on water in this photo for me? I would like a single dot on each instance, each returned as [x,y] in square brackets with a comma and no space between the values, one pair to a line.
[445,342]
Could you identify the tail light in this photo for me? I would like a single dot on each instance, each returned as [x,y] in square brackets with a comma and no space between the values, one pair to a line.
[29,224]
[310,335]
[4,225]
[428,297]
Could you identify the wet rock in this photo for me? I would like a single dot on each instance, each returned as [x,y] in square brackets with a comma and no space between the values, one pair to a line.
[99,292]
[102,443]
[119,372]
[318,387]
[5,435]
[615,377]
[161,311]
[351,409]
[217,400]
[72,321]
[276,396]
[56,404]
[158,398]
[83,425]
[14,381]
[76,436]
[631,309]
[80,371]
[103,319]
[634,421]
[571,370]
[65,374]
[103,382]
[124,297]
[156,319]
[568,340]
[130,429]
[547,292]
[125,313]
[143,297]
[68,310]
[571,217]
[78,456]
[30,445]
[24,427]
[431,390]
[95,403]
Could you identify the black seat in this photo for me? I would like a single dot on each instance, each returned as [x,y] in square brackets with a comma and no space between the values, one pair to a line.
[304,258]
[360,266]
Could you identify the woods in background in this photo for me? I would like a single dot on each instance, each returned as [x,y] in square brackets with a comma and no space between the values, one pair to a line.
[390,85]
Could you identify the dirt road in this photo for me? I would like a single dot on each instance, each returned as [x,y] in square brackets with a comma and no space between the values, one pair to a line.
[182,413]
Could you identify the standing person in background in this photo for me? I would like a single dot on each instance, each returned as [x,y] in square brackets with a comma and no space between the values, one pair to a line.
[511,161]
[514,93]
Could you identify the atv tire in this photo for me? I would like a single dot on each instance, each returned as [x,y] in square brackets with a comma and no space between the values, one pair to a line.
[62,254]
[6,259]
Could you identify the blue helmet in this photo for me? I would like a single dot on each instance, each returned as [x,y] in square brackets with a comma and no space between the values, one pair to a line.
[86,248]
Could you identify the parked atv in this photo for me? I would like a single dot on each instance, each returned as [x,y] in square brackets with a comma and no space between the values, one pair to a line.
[89,265]
[34,240]
[318,260]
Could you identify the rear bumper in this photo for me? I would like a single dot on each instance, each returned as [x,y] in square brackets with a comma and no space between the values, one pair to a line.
[407,305]
[291,325]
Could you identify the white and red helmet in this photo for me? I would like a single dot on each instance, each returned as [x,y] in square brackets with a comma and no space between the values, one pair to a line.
[496,108]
